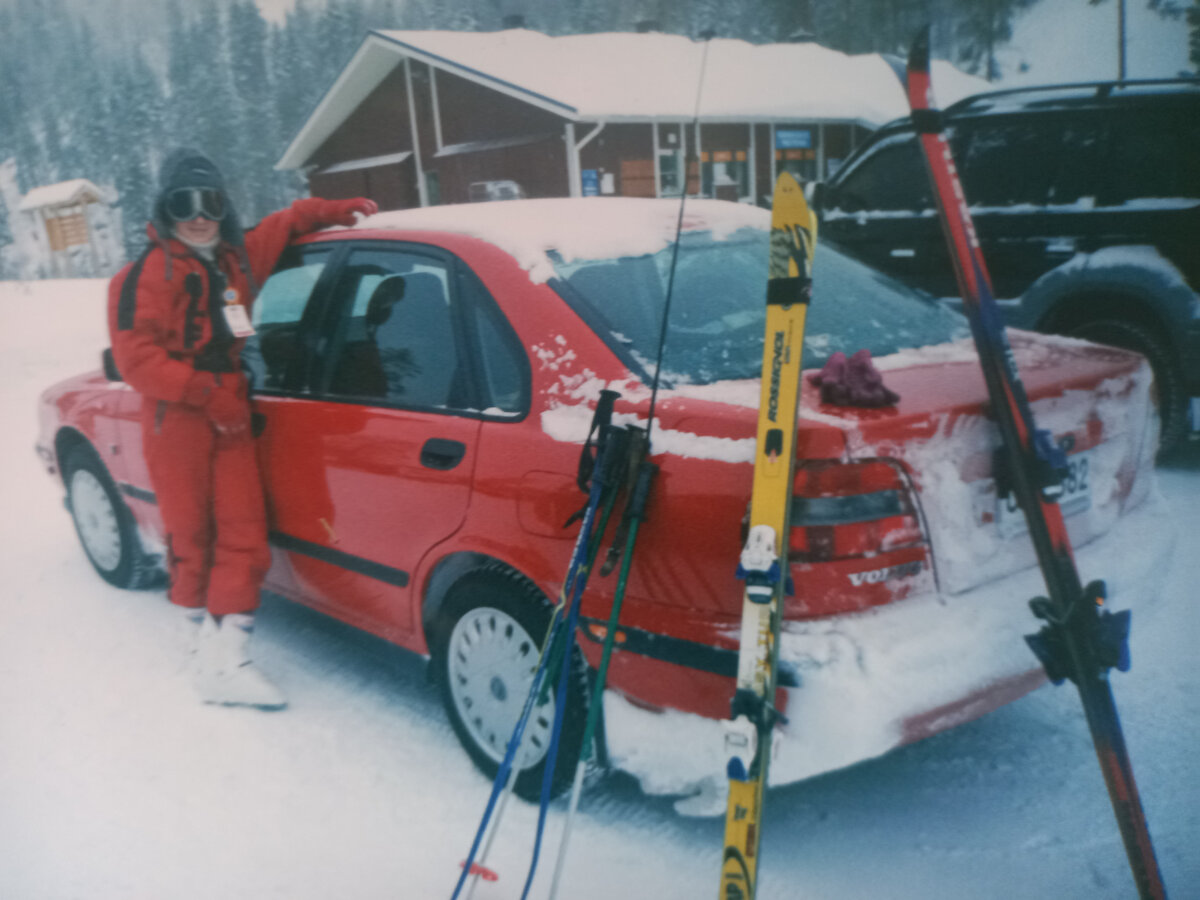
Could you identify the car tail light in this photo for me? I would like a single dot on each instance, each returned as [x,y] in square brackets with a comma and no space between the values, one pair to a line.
[857,538]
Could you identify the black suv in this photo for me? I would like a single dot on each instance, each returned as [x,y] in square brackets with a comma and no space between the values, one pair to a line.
[1087,203]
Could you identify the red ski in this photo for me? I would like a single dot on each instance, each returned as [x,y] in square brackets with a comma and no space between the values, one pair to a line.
[1080,641]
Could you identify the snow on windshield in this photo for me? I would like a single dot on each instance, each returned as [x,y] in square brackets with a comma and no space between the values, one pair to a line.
[716,324]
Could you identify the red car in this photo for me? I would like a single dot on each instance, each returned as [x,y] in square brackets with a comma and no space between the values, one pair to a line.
[426,381]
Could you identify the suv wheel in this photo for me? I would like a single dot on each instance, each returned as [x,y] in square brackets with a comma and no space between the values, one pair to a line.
[484,657]
[105,525]
[1168,380]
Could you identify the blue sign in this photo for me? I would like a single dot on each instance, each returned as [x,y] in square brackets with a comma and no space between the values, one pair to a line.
[591,182]
[793,139]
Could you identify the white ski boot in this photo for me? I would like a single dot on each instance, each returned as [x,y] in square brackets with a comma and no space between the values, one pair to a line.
[186,627]
[223,672]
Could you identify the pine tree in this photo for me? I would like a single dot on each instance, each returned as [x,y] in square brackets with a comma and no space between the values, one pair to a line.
[985,25]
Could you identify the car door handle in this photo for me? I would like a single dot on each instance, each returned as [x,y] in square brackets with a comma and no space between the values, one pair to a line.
[442,454]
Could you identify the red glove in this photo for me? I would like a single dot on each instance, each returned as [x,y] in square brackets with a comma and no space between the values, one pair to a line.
[198,389]
[228,412]
[342,212]
[853,382]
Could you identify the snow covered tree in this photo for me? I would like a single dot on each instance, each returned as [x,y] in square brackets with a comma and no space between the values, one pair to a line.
[982,27]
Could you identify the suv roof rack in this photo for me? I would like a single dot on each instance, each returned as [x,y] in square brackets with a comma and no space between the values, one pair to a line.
[1100,90]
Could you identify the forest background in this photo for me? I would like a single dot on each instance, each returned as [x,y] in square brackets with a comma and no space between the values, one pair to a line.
[100,89]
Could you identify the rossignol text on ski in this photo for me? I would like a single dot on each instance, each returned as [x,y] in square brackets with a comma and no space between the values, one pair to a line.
[748,732]
[1080,640]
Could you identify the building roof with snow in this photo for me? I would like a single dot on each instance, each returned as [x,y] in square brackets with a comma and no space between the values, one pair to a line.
[625,77]
[65,193]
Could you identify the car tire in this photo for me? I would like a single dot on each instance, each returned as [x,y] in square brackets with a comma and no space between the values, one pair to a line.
[493,621]
[104,523]
[1168,380]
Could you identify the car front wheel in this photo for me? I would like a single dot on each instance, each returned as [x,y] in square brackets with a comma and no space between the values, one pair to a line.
[486,655]
[105,525]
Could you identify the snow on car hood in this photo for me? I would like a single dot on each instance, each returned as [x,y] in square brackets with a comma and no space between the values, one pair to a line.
[577,228]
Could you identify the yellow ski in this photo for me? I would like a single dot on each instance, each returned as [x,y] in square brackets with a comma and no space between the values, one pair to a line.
[764,559]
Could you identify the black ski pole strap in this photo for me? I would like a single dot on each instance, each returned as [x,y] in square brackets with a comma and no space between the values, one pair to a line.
[588,454]
[635,460]
[928,121]
[591,449]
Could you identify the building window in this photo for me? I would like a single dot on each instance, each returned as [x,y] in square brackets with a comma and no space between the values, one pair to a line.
[725,174]
[670,173]
[795,151]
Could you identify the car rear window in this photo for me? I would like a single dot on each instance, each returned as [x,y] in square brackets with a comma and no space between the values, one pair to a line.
[718,314]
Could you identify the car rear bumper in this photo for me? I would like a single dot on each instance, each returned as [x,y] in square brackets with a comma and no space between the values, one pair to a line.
[876,680]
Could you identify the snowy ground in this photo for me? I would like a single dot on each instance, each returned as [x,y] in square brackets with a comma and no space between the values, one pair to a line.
[115,784]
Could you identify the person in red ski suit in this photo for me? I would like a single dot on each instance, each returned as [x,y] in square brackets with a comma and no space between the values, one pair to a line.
[178,318]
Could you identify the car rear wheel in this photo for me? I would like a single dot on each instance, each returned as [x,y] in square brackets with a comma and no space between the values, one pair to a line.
[1168,380]
[105,525]
[485,655]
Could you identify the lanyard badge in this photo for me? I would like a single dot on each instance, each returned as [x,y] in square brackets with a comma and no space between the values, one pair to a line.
[235,314]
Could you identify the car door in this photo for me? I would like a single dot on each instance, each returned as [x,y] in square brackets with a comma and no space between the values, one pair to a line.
[882,212]
[370,445]
[1009,166]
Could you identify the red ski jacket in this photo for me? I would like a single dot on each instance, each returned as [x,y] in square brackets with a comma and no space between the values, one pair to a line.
[164,314]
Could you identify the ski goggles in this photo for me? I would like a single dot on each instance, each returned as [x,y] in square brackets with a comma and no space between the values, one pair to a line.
[186,204]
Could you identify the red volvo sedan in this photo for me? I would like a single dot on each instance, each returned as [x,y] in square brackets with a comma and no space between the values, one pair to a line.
[427,379]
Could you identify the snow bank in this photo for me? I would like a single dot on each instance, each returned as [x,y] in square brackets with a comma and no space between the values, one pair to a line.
[361,790]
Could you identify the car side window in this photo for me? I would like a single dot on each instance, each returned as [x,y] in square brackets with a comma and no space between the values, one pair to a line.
[1153,157]
[892,179]
[275,353]
[395,337]
[502,364]
[1008,162]
[1080,171]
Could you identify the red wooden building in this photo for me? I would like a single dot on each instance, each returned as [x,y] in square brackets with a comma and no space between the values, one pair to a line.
[419,118]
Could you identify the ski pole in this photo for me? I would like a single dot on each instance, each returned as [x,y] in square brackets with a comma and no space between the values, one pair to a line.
[608,477]
[635,512]
[583,550]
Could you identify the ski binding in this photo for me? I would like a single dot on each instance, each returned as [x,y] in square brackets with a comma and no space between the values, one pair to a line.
[759,565]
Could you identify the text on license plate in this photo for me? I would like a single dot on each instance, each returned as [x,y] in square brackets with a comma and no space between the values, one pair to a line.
[1076,496]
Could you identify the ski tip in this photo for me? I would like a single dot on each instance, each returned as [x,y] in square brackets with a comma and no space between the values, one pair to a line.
[480,871]
[918,54]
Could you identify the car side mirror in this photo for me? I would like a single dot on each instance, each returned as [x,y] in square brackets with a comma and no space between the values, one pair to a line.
[111,372]
[386,295]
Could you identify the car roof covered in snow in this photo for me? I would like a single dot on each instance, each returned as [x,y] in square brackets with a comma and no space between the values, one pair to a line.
[574,227]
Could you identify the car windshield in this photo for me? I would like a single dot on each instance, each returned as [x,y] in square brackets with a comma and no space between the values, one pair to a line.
[717,314]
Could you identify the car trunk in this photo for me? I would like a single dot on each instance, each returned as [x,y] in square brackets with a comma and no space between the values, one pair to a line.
[914,503]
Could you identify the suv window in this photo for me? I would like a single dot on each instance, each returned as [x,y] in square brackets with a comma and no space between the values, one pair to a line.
[893,178]
[1080,170]
[275,354]
[1006,162]
[395,337]
[1153,156]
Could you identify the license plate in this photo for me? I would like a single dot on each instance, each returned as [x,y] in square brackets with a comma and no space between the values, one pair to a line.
[1076,497]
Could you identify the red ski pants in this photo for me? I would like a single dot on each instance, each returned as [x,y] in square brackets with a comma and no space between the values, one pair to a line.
[210,494]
